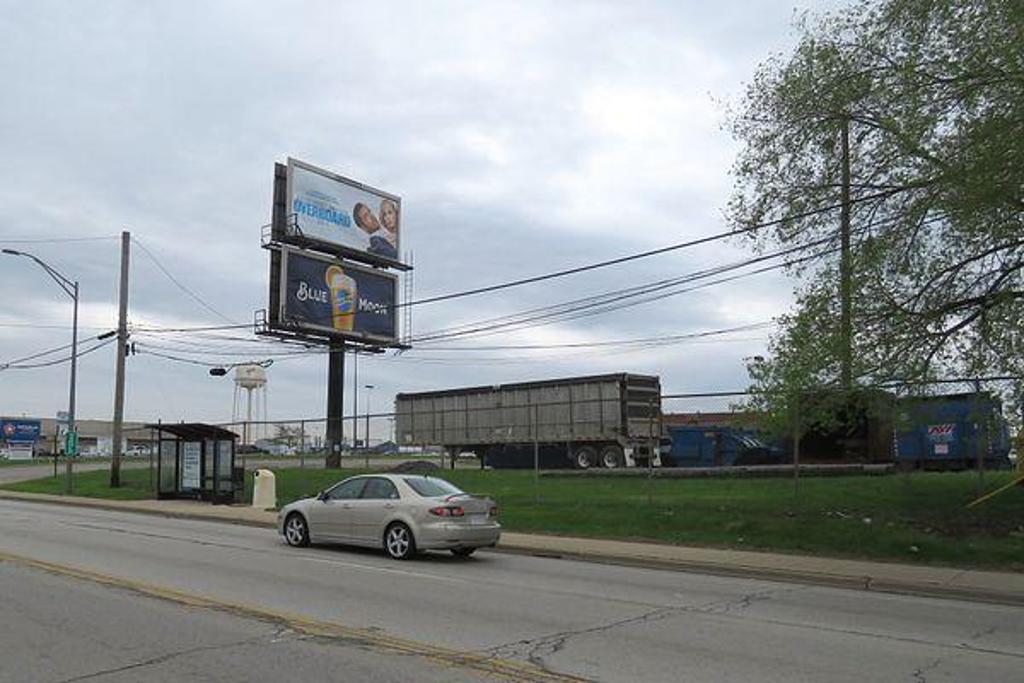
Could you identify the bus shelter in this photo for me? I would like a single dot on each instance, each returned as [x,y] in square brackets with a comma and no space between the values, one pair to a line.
[197,461]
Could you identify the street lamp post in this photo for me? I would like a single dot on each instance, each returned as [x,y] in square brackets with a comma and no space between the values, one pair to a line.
[366,446]
[70,288]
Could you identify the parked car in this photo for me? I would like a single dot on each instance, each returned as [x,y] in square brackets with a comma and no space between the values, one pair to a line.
[716,446]
[401,513]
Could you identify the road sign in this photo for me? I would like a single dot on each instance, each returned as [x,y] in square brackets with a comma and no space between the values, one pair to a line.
[71,443]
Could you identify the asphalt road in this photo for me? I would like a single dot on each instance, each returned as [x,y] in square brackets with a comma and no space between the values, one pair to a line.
[54,628]
[594,621]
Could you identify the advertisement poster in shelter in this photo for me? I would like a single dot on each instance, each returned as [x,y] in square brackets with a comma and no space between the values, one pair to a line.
[334,211]
[336,298]
[191,453]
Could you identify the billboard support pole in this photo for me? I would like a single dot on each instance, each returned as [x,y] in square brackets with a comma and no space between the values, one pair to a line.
[335,404]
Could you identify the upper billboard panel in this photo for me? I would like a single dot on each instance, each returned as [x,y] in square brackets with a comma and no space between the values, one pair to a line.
[341,216]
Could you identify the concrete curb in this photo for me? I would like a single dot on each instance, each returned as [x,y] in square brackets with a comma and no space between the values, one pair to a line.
[940,582]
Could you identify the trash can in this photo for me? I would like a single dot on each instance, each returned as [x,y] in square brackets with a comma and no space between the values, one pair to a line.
[264,490]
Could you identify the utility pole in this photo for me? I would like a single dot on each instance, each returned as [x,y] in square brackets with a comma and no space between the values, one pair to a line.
[122,346]
[845,267]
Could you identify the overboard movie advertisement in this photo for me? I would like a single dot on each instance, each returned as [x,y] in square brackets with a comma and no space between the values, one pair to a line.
[337,212]
[327,296]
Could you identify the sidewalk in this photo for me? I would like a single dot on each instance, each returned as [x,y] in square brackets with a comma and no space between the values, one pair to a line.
[1001,587]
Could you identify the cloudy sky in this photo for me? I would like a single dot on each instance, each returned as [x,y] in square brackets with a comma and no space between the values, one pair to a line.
[523,137]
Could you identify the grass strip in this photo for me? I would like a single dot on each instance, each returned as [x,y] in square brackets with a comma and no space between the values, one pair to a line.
[917,518]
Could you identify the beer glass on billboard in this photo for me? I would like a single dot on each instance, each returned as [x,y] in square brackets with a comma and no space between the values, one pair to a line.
[343,298]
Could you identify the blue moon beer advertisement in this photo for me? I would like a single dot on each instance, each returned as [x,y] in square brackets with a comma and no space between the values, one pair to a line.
[335,211]
[336,298]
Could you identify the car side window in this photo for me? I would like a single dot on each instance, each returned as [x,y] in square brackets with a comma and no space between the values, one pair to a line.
[380,489]
[347,490]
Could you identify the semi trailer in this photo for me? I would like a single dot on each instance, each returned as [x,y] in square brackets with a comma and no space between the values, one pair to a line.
[602,420]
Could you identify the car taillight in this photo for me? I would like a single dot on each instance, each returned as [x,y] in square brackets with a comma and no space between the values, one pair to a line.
[493,512]
[448,511]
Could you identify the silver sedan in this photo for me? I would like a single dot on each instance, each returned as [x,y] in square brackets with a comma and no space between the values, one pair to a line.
[401,513]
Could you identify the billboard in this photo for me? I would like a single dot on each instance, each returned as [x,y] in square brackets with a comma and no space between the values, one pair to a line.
[330,212]
[20,430]
[328,297]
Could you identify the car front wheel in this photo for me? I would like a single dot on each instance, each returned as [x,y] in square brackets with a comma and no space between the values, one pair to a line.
[295,531]
[398,541]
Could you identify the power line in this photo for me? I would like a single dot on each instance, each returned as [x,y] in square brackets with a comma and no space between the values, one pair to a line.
[43,326]
[619,342]
[53,240]
[40,354]
[646,254]
[179,285]
[200,328]
[194,356]
[46,364]
[610,301]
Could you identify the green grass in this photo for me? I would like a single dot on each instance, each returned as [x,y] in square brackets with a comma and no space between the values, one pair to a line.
[49,461]
[95,484]
[918,518]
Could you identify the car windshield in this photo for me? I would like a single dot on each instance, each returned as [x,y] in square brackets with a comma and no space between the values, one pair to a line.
[428,487]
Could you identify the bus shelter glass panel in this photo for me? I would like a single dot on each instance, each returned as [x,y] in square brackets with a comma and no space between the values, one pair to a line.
[168,462]
[210,466]
[224,465]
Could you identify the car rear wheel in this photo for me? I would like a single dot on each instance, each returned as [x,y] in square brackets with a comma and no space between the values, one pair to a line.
[296,532]
[585,457]
[398,541]
[463,552]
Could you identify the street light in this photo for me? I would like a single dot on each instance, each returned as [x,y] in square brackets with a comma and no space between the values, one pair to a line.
[71,289]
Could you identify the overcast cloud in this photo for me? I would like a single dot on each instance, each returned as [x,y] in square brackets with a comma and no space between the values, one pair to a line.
[522,138]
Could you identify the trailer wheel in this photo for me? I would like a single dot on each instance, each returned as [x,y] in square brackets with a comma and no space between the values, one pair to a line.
[611,457]
[585,457]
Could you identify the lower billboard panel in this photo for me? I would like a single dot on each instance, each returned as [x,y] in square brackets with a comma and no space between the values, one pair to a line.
[323,296]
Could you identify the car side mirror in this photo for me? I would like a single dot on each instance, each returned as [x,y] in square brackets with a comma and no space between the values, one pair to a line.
[322,496]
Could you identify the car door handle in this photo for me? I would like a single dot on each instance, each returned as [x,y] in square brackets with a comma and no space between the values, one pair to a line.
[388,506]
[347,506]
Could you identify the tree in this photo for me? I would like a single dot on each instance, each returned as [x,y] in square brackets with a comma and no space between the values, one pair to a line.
[932,95]
[287,436]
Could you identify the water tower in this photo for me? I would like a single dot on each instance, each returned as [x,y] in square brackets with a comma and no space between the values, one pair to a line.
[252,379]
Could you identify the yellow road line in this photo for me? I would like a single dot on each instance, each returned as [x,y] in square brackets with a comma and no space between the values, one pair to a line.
[502,668]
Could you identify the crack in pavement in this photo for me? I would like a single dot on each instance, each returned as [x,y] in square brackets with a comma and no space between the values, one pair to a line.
[981,634]
[271,639]
[537,650]
[747,600]
[918,674]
